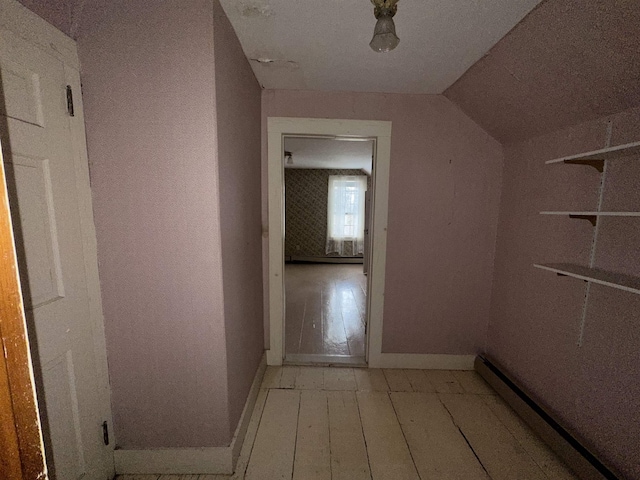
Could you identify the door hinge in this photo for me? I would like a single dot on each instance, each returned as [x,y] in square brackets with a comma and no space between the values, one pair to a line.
[105,433]
[70,101]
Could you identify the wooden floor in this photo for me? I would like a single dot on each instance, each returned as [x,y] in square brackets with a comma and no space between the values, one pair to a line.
[315,423]
[325,309]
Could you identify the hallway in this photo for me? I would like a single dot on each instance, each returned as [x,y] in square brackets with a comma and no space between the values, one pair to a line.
[314,423]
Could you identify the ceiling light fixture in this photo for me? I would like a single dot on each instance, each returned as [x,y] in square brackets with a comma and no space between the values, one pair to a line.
[288,158]
[384,34]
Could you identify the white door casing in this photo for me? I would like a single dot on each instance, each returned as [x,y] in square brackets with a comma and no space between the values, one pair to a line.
[277,128]
[48,179]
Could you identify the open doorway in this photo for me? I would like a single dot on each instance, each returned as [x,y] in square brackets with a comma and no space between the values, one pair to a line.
[328,185]
[278,130]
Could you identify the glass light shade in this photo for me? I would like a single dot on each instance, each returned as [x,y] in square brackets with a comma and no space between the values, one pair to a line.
[384,35]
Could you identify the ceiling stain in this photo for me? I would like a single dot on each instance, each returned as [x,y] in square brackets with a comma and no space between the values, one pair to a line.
[270,62]
[255,10]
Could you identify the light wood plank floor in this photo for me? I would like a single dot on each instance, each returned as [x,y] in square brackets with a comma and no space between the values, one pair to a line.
[315,423]
[325,309]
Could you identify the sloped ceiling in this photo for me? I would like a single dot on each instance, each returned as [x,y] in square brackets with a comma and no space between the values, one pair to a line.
[567,62]
[62,14]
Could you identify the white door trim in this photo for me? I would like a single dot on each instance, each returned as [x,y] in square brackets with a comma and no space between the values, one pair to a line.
[277,127]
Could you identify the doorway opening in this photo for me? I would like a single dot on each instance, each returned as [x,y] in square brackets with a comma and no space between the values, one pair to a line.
[328,186]
[376,136]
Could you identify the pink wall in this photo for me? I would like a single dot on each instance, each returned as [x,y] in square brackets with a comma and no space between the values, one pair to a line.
[148,81]
[444,190]
[535,315]
[238,119]
[567,62]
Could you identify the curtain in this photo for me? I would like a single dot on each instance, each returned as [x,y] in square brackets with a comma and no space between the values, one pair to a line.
[345,214]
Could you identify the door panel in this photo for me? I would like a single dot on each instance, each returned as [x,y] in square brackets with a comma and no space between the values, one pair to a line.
[64,417]
[37,222]
[22,93]
[46,204]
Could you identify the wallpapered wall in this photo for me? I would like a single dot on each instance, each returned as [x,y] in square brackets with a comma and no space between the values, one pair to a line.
[306,192]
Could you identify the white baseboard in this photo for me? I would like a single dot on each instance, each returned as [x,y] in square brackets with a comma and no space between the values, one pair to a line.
[422,361]
[206,460]
[247,411]
[174,461]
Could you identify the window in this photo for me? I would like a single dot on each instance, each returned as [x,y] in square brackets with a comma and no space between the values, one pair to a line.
[345,214]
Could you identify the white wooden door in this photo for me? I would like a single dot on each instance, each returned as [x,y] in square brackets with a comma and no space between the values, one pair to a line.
[48,201]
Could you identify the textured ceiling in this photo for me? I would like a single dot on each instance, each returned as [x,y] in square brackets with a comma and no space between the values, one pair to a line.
[569,61]
[324,45]
[328,153]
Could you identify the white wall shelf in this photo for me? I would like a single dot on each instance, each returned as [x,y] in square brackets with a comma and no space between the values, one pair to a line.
[592,216]
[594,275]
[596,158]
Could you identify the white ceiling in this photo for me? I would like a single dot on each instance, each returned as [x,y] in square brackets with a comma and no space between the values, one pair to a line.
[329,153]
[324,44]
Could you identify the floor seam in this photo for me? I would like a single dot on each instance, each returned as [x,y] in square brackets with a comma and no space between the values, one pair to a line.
[453,420]
[329,434]
[406,442]
[473,450]
[364,437]
[524,449]
[295,443]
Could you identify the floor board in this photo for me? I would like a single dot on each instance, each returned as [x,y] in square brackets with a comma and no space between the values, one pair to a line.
[496,448]
[349,459]
[371,379]
[274,447]
[312,456]
[339,379]
[443,381]
[389,455]
[310,378]
[534,446]
[397,380]
[437,446]
[419,381]
[322,423]
[325,309]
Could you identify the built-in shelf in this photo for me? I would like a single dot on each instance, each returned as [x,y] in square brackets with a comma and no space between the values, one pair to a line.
[596,158]
[595,214]
[594,275]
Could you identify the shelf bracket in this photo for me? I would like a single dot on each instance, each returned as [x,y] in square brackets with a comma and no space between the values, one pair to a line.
[597,164]
[592,218]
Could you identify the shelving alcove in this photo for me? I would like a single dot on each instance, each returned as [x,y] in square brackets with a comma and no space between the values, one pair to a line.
[595,159]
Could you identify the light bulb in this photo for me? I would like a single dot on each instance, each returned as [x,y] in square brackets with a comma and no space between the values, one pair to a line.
[384,35]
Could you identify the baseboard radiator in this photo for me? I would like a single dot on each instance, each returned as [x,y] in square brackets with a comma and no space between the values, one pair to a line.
[584,463]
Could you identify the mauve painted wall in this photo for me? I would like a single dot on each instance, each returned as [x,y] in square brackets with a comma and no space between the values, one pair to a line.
[567,62]
[238,97]
[148,77]
[444,190]
[535,315]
